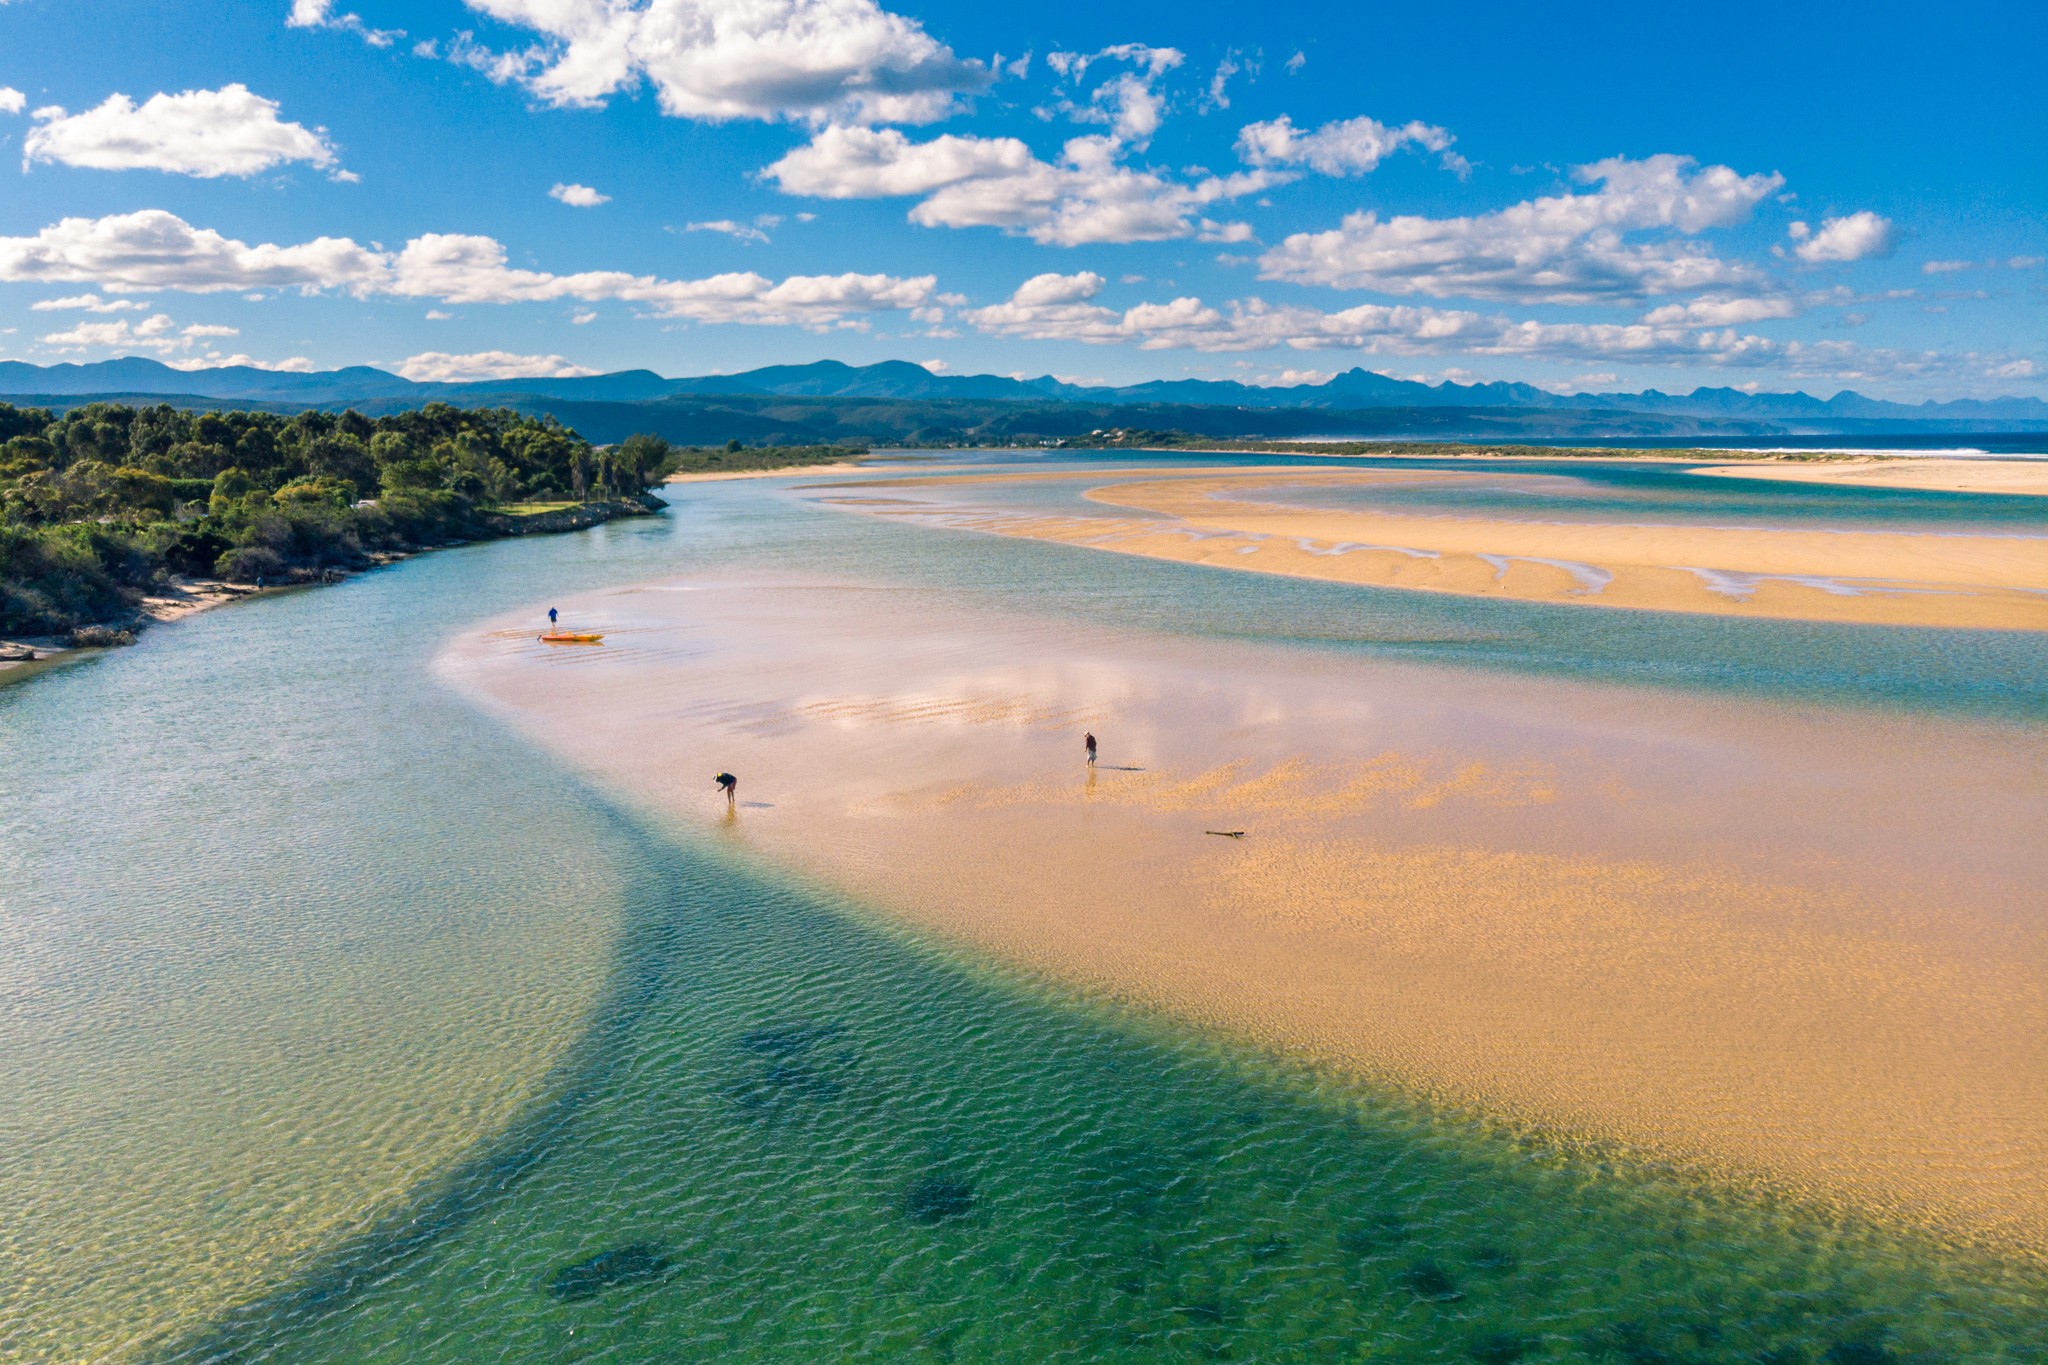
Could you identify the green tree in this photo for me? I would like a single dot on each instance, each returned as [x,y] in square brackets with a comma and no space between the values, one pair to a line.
[230,486]
[646,459]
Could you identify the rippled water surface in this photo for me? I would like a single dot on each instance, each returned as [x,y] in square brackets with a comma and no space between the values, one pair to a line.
[342,1027]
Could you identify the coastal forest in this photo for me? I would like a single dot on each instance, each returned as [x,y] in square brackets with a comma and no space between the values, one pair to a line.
[105,503]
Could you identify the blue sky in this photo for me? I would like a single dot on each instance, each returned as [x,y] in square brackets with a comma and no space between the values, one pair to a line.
[1601,196]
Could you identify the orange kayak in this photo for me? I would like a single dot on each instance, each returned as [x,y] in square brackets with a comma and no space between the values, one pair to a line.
[570,637]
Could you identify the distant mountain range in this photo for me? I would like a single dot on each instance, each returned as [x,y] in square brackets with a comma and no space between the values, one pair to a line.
[1357,402]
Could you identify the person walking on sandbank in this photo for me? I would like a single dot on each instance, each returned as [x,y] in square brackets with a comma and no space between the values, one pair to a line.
[730,785]
[1089,740]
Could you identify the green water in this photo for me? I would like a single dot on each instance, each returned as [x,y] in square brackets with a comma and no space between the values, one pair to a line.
[774,1129]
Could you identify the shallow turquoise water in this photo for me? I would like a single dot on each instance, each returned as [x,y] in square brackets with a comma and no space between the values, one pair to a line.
[1993,674]
[1580,490]
[1669,495]
[783,1131]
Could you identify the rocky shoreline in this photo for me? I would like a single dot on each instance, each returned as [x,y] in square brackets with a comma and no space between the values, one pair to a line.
[579,518]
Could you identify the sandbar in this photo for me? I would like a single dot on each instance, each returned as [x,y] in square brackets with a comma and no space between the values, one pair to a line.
[1796,948]
[1243,520]
[2011,477]
[721,475]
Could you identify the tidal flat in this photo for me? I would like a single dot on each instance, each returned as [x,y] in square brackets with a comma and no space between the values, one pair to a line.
[384,987]
[1380,527]
[1773,941]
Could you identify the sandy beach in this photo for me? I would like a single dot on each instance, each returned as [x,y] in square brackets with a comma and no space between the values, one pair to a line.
[2008,477]
[181,598]
[1247,520]
[722,475]
[1789,945]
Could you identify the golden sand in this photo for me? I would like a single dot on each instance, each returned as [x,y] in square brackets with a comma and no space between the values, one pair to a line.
[1932,473]
[1793,946]
[1241,520]
[721,475]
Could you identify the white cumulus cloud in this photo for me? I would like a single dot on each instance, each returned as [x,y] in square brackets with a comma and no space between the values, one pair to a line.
[203,133]
[320,14]
[867,163]
[157,334]
[466,269]
[153,249]
[739,231]
[12,101]
[728,59]
[1064,308]
[1252,325]
[1153,61]
[1713,311]
[441,367]
[1043,290]
[1844,239]
[87,303]
[156,250]
[1350,147]
[214,360]
[154,334]
[1130,103]
[1567,248]
[1219,84]
[578,196]
[1090,195]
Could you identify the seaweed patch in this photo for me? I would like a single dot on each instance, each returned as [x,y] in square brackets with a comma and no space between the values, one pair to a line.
[937,1199]
[1500,1348]
[1428,1280]
[626,1267]
[788,1062]
[785,1040]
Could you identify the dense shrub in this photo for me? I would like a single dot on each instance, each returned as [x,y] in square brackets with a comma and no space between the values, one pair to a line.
[55,577]
[251,564]
[99,504]
[100,637]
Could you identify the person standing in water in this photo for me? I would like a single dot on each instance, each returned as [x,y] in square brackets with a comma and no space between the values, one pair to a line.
[1089,740]
[730,785]
[551,615]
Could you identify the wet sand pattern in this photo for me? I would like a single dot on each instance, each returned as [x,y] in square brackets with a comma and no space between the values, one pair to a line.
[1240,519]
[1797,947]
